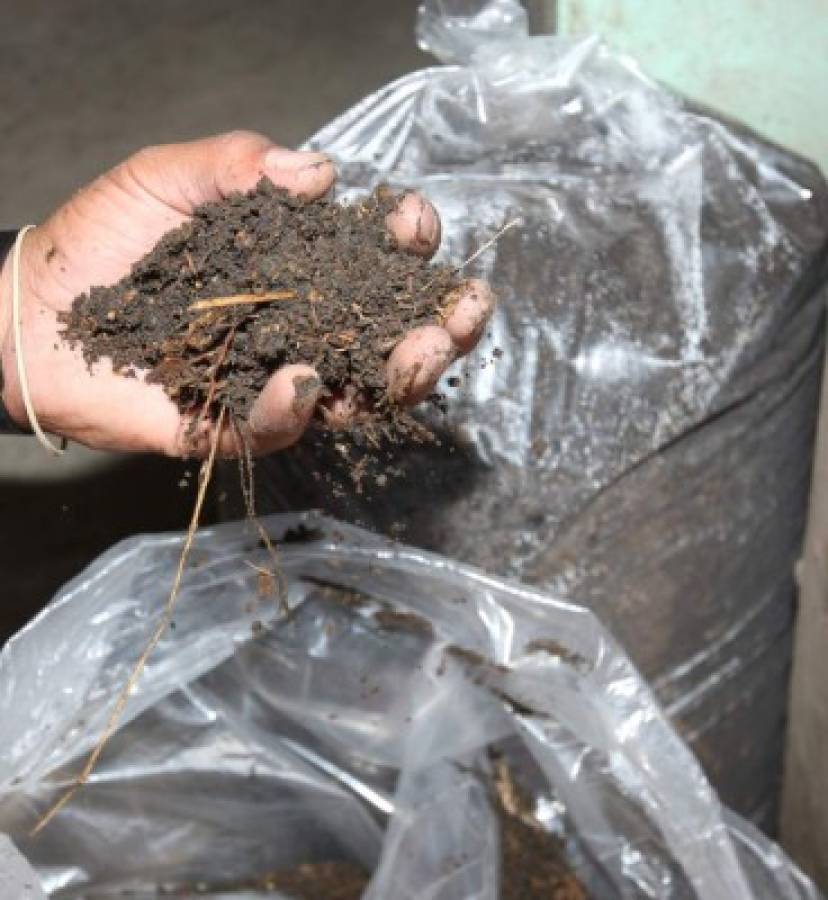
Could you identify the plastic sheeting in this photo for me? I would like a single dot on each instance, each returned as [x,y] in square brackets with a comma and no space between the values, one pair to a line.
[643,445]
[17,879]
[350,729]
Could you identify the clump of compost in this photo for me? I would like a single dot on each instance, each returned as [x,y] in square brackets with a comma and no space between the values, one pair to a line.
[259,281]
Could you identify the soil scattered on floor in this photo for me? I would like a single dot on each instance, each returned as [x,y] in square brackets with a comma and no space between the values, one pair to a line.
[259,281]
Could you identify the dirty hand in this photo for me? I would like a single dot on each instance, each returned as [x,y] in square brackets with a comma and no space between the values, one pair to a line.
[96,237]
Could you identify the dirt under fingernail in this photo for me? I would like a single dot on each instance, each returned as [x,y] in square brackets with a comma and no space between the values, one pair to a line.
[259,281]
[305,385]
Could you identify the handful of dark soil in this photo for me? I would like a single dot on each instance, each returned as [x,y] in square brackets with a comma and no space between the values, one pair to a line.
[259,281]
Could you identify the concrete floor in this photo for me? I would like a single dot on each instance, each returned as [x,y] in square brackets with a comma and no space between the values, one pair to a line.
[85,83]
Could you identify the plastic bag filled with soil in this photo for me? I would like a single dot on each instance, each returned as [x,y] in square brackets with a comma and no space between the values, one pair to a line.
[411,728]
[635,432]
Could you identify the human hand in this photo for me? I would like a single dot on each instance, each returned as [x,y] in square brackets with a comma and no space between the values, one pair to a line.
[107,226]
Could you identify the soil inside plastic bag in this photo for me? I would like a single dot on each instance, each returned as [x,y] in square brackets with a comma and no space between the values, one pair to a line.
[334,881]
[261,744]
[533,866]
[310,881]
[532,862]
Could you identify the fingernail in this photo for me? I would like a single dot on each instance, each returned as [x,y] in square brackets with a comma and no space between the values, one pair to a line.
[428,225]
[305,385]
[404,380]
[294,160]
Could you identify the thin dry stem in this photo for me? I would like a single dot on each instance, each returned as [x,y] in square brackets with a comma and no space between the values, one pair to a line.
[260,569]
[112,723]
[490,243]
[248,489]
[480,250]
[211,391]
[241,300]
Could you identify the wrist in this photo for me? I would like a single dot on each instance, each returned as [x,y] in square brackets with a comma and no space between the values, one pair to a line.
[10,423]
[6,243]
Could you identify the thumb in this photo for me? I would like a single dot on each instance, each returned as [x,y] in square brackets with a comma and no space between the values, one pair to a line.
[188,174]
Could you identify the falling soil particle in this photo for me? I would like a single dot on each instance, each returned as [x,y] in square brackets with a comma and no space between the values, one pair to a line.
[259,281]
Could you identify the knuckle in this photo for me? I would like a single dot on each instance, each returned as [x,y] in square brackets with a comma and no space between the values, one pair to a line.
[237,154]
[142,159]
[240,136]
[239,145]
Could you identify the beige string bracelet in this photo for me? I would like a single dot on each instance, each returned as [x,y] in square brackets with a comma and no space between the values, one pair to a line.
[17,332]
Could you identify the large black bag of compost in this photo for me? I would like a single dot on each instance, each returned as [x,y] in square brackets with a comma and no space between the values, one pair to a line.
[635,432]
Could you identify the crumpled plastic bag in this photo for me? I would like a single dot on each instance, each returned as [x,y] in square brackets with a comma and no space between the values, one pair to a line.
[353,728]
[643,444]
[17,879]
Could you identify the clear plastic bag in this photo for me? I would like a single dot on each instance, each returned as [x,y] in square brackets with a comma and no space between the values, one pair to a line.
[643,444]
[351,729]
